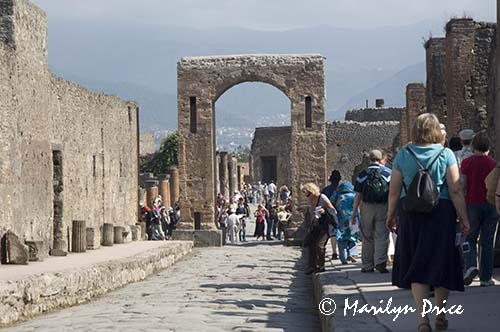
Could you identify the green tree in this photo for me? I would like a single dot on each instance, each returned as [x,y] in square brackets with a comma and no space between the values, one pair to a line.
[166,157]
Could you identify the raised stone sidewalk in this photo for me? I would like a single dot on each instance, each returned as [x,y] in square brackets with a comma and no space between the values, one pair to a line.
[341,282]
[58,282]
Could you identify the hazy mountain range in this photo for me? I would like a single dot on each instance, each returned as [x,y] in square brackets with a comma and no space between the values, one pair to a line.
[139,63]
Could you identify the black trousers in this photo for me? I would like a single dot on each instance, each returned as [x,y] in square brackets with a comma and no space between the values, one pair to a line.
[317,248]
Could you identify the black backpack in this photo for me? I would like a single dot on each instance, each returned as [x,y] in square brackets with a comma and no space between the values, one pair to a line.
[375,188]
[422,196]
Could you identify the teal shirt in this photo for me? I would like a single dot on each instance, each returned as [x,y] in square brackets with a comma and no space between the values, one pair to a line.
[407,166]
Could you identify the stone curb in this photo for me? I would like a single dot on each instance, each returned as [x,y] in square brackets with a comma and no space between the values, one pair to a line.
[337,286]
[23,299]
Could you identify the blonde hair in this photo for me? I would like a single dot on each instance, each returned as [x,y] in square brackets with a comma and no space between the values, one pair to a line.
[310,188]
[427,130]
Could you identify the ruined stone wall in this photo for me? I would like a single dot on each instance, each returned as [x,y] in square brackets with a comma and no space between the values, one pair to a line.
[469,47]
[202,80]
[38,113]
[374,114]
[436,82]
[147,144]
[268,142]
[348,141]
[415,105]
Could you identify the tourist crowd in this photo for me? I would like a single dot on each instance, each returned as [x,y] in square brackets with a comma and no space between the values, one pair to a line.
[272,216]
[435,205]
[160,221]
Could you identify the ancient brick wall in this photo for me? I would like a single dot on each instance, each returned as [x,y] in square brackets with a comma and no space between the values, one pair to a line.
[272,142]
[374,114]
[469,47]
[95,133]
[348,141]
[415,105]
[436,82]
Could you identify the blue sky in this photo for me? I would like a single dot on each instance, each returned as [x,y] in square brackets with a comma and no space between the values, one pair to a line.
[270,14]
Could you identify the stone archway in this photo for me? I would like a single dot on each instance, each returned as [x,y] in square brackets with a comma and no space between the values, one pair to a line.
[202,80]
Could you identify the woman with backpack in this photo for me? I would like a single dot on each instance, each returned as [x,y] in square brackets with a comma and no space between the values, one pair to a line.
[426,195]
[482,214]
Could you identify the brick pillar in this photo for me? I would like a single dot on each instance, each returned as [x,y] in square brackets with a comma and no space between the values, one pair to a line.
[151,192]
[415,104]
[223,176]
[164,189]
[436,81]
[174,185]
[404,135]
[79,236]
[459,69]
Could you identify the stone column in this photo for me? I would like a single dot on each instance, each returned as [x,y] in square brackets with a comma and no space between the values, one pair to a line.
[144,234]
[415,104]
[217,177]
[174,185]
[118,236]
[59,245]
[435,51]
[92,242]
[164,189]
[108,237]
[151,192]
[79,236]
[238,178]
[230,173]
[223,166]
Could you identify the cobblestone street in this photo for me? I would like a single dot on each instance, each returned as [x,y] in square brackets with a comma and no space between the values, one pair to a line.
[253,286]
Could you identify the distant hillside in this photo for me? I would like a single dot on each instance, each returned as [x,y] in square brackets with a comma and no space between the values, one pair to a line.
[393,89]
[139,62]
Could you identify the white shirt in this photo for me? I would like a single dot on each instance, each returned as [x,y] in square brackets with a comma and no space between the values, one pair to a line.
[233,220]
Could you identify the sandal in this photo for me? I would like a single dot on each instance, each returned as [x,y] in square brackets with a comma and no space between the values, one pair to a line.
[441,324]
[424,327]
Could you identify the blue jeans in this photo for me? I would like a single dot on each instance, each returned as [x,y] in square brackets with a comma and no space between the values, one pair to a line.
[243,233]
[345,247]
[270,226]
[483,220]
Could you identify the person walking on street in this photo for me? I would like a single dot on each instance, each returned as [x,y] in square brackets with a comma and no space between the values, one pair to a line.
[329,191]
[319,205]
[260,218]
[425,197]
[466,137]
[233,224]
[482,215]
[343,201]
[372,189]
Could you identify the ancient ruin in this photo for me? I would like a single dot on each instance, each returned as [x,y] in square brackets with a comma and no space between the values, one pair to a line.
[202,80]
[68,154]
[346,143]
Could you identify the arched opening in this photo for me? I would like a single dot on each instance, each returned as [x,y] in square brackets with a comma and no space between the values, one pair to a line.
[249,122]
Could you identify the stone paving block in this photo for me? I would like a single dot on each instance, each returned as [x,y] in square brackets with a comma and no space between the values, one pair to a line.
[13,250]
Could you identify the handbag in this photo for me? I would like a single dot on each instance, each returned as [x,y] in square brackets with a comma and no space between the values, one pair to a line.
[330,218]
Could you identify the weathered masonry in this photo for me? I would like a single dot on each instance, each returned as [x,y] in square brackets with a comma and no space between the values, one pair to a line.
[460,87]
[66,154]
[202,80]
[346,144]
